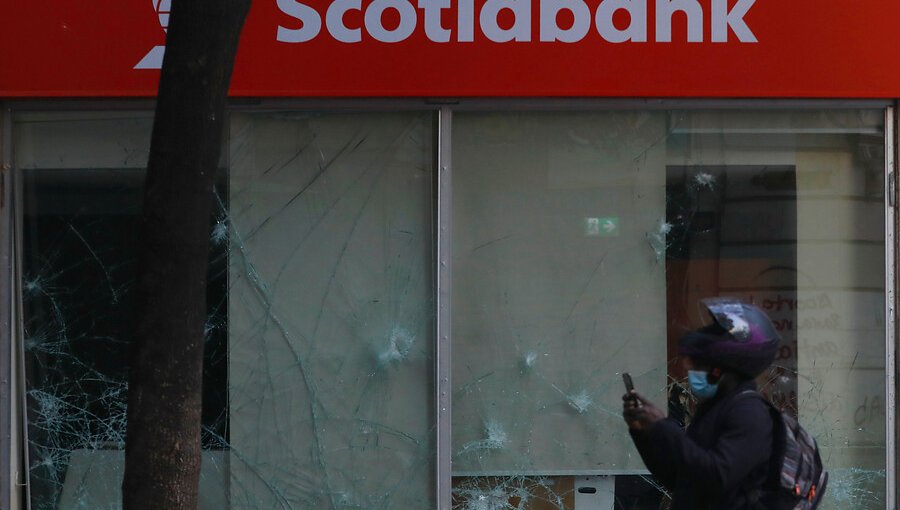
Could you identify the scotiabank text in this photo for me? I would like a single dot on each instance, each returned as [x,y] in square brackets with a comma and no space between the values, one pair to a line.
[724,20]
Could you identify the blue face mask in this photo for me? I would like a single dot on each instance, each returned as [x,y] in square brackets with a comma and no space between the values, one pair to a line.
[700,386]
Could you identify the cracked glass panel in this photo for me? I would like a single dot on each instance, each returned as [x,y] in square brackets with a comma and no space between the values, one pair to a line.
[792,218]
[82,175]
[582,243]
[558,287]
[318,373]
[331,311]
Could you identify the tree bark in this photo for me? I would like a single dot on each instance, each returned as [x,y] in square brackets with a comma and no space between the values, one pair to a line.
[162,449]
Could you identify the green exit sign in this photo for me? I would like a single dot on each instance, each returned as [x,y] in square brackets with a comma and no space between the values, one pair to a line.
[601,227]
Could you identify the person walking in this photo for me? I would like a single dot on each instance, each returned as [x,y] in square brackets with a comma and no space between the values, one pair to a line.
[722,460]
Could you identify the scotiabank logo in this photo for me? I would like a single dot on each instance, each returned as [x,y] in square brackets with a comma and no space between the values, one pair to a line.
[304,23]
[153,59]
[308,24]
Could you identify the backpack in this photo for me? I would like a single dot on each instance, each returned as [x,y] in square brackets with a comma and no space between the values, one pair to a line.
[797,477]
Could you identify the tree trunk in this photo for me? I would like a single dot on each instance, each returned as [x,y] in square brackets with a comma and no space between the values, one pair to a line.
[162,449]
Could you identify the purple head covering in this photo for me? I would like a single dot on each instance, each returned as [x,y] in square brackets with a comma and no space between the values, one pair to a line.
[741,338]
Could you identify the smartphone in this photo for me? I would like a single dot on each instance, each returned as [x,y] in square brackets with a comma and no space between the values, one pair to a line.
[629,385]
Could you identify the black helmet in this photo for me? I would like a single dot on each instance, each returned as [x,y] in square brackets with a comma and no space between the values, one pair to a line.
[741,339]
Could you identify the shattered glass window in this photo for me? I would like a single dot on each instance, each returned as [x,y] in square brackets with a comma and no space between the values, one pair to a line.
[82,177]
[318,371]
[786,209]
[331,311]
[581,244]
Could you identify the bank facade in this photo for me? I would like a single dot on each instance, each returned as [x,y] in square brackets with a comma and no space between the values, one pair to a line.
[442,232]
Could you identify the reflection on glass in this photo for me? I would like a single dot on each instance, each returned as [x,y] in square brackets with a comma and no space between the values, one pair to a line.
[582,243]
[82,176]
[318,375]
[793,220]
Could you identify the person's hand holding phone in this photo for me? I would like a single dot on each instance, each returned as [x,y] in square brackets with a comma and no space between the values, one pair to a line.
[639,413]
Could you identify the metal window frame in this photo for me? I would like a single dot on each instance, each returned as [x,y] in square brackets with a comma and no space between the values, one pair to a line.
[6,313]
[12,435]
[443,351]
[461,104]
[891,201]
[890,267]
[444,108]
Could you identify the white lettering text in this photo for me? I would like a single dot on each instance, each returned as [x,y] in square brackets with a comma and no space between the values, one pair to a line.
[309,18]
[664,11]
[615,21]
[334,20]
[550,30]
[722,19]
[521,29]
[637,22]
[375,26]
[433,28]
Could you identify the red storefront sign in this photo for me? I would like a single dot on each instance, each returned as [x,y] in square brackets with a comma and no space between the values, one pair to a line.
[594,48]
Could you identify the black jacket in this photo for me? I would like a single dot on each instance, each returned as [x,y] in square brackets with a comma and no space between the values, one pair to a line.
[721,461]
